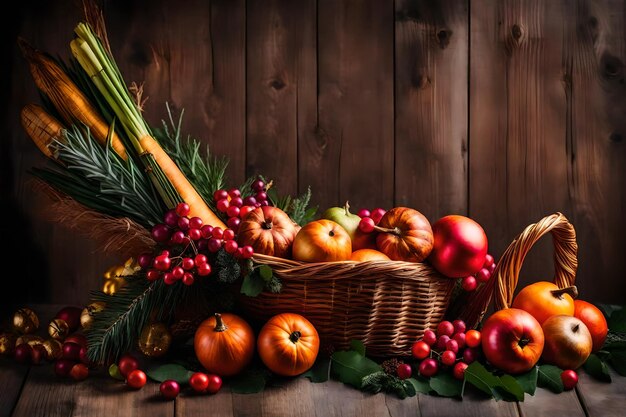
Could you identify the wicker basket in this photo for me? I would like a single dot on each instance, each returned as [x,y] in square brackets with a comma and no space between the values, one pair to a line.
[505,277]
[388,305]
[385,304]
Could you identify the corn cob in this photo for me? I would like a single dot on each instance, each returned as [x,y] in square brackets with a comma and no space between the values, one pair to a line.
[42,128]
[67,98]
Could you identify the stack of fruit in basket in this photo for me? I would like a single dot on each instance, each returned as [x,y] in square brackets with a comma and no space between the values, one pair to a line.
[455,245]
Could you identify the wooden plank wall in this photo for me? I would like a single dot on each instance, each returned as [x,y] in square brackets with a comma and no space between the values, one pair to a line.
[503,110]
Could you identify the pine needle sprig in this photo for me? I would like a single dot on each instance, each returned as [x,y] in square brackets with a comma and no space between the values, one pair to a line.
[296,207]
[97,178]
[205,172]
[115,329]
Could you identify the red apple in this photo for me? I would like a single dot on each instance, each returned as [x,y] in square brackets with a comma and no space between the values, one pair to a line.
[512,340]
[594,320]
[322,241]
[460,246]
[568,342]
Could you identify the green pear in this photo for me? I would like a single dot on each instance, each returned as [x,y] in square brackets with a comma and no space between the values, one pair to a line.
[347,220]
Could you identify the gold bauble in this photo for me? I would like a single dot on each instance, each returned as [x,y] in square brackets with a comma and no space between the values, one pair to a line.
[58,329]
[54,349]
[7,343]
[30,339]
[155,340]
[114,276]
[25,321]
[86,317]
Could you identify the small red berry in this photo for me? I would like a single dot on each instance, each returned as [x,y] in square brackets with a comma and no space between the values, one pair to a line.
[569,378]
[459,370]
[428,367]
[199,381]
[448,357]
[469,283]
[169,389]
[420,350]
[183,209]
[445,328]
[136,379]
[430,337]
[215,383]
[404,371]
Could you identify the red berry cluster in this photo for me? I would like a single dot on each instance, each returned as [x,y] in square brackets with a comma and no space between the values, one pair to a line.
[470,283]
[451,346]
[370,219]
[73,362]
[235,207]
[188,243]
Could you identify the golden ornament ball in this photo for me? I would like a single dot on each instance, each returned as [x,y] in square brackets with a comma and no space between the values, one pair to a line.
[58,329]
[86,317]
[30,339]
[25,321]
[155,340]
[7,343]
[54,349]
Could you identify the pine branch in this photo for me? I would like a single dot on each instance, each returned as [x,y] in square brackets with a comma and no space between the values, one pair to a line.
[116,328]
[97,178]
[296,207]
[206,173]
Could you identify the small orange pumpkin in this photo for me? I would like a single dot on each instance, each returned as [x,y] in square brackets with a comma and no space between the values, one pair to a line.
[288,344]
[224,344]
[269,231]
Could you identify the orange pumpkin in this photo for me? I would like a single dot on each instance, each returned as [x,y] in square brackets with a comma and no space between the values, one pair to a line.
[224,344]
[405,235]
[545,299]
[288,344]
[269,231]
[322,241]
[362,255]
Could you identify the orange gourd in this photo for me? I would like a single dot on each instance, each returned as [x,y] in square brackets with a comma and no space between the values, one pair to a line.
[404,234]
[269,231]
[544,299]
[288,344]
[224,344]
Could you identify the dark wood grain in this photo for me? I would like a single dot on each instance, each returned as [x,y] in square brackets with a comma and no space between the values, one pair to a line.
[431,149]
[518,155]
[355,64]
[473,404]
[593,60]
[12,377]
[281,40]
[602,398]
[548,404]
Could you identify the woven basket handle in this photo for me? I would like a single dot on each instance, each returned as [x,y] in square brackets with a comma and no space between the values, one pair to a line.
[510,264]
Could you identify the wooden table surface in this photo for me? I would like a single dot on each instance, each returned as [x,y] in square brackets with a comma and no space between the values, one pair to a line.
[35,391]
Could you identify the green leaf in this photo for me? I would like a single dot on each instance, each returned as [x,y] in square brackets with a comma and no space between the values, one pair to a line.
[550,377]
[477,375]
[252,285]
[446,385]
[409,388]
[350,367]
[597,368]
[511,386]
[357,346]
[173,371]
[617,321]
[420,384]
[618,361]
[319,372]
[266,273]
[528,381]
[248,382]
